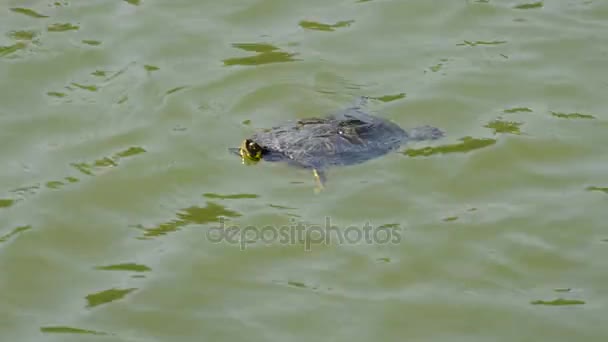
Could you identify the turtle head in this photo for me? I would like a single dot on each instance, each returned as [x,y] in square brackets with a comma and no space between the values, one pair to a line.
[250,151]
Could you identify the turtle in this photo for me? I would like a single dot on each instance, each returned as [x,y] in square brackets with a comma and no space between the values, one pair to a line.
[350,136]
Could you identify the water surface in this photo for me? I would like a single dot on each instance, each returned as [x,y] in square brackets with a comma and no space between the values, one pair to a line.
[116,118]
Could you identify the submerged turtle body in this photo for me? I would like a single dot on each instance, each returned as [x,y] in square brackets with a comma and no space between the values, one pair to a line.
[348,137]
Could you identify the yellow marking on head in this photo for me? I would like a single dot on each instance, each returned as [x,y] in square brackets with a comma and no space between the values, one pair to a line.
[250,151]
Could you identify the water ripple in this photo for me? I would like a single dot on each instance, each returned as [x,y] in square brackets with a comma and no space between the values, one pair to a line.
[69,330]
[14,232]
[5,203]
[266,54]
[148,67]
[281,207]
[107,296]
[468,144]
[213,212]
[91,42]
[28,12]
[175,90]
[92,88]
[23,35]
[501,126]
[89,169]
[7,50]
[389,98]
[313,25]
[234,196]
[532,5]
[132,267]
[58,27]
[558,302]
[597,188]
[56,94]
[481,42]
[518,110]
[572,115]
[453,259]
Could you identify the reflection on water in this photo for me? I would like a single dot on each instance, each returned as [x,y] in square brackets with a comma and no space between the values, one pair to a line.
[299,285]
[131,267]
[468,144]
[281,207]
[107,296]
[91,42]
[233,196]
[14,232]
[192,215]
[151,67]
[56,94]
[62,27]
[597,188]
[572,115]
[557,302]
[91,168]
[333,84]
[69,330]
[481,42]
[518,110]
[7,50]
[99,73]
[436,67]
[5,203]
[28,12]
[312,25]
[106,75]
[501,126]
[266,54]
[175,90]
[23,35]
[389,98]
[538,4]
[491,243]
[88,169]
[85,87]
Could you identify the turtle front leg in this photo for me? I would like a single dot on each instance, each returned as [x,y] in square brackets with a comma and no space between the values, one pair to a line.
[320,180]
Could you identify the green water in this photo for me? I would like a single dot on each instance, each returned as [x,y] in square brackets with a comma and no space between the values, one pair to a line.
[116,118]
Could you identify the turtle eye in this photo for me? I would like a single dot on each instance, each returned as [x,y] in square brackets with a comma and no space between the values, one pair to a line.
[253,149]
